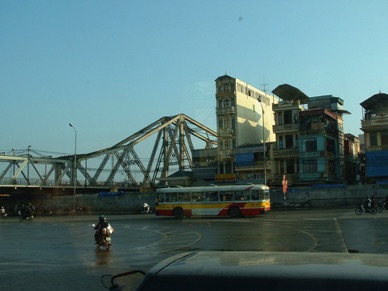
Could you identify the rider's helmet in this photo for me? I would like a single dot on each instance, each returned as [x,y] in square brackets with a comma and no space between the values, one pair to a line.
[102,218]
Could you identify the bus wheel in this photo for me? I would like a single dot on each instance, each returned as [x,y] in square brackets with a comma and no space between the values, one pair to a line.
[234,212]
[178,213]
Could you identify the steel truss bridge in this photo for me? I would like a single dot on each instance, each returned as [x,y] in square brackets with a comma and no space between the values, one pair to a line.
[119,166]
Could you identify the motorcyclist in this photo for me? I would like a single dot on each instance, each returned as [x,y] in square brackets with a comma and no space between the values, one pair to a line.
[372,202]
[23,212]
[102,228]
[146,208]
[368,204]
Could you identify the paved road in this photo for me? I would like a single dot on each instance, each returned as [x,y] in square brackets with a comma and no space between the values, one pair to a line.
[57,253]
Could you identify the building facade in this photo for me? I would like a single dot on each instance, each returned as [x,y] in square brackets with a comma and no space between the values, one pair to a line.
[244,119]
[285,152]
[309,144]
[375,127]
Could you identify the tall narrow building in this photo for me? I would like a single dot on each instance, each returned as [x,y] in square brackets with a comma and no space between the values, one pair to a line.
[244,118]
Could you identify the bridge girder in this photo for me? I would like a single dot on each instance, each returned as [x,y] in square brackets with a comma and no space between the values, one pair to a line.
[174,139]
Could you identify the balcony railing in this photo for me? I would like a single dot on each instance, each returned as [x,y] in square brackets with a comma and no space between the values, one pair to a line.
[226,153]
[226,131]
[285,153]
[285,127]
[374,123]
[225,110]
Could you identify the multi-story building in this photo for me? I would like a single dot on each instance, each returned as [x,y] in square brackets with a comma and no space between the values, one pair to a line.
[319,146]
[375,127]
[244,119]
[309,142]
[285,152]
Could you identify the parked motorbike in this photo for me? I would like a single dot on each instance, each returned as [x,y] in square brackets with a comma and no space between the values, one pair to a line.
[104,238]
[362,209]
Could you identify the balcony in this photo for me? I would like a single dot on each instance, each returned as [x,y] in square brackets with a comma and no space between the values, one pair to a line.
[376,123]
[225,132]
[226,153]
[288,106]
[225,110]
[255,165]
[285,153]
[318,128]
[285,127]
[377,148]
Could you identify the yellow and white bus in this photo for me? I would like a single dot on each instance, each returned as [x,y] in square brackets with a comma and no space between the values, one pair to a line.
[229,200]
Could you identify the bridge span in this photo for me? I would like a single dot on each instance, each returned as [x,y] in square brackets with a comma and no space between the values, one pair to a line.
[117,167]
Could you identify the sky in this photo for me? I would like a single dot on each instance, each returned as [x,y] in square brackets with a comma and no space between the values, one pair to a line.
[113,67]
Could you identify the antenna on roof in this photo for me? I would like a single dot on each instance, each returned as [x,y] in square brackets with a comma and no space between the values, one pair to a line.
[264,86]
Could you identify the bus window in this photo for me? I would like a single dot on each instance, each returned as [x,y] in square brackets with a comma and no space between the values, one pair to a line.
[261,194]
[266,194]
[255,195]
[197,197]
[211,196]
[226,196]
[171,197]
[161,198]
[246,195]
[183,197]
[238,195]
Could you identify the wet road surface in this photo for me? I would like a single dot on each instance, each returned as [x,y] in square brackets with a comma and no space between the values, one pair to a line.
[58,253]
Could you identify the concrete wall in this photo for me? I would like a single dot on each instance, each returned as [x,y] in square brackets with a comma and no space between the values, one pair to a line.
[332,197]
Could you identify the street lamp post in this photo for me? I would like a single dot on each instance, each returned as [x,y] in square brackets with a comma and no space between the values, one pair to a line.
[264,149]
[28,165]
[74,173]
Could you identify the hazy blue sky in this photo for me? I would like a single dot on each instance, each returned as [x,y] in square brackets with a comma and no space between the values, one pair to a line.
[113,67]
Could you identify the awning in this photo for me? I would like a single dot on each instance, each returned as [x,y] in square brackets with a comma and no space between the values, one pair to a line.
[374,101]
[290,93]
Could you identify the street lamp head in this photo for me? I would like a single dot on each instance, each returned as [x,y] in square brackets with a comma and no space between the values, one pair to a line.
[71,125]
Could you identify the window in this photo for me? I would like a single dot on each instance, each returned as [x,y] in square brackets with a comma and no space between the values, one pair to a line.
[309,166]
[288,117]
[226,196]
[289,142]
[384,138]
[280,142]
[220,123]
[330,145]
[290,166]
[373,139]
[280,118]
[197,196]
[211,196]
[309,145]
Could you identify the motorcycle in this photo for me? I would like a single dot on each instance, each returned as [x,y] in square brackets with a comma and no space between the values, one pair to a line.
[3,213]
[380,206]
[362,209]
[104,237]
[26,216]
